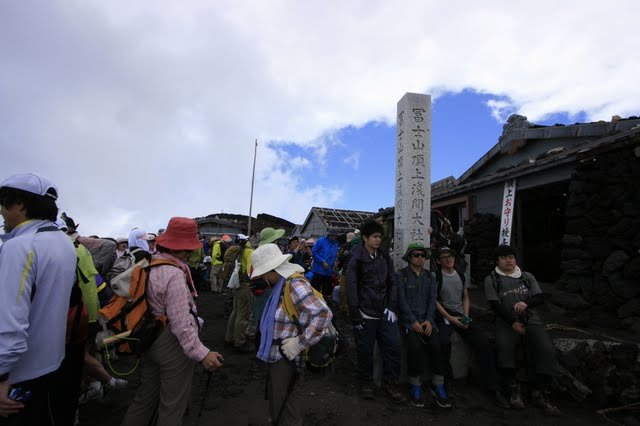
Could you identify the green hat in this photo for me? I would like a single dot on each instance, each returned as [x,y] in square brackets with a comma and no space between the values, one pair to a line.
[414,247]
[269,235]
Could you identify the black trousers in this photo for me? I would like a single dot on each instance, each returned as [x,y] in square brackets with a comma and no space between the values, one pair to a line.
[421,347]
[324,284]
[475,337]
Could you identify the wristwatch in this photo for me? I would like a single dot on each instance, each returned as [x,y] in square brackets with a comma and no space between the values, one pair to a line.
[4,377]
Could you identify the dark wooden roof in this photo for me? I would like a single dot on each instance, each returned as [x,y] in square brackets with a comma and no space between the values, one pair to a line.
[341,220]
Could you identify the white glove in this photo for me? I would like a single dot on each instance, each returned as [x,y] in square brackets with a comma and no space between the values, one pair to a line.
[291,347]
[391,316]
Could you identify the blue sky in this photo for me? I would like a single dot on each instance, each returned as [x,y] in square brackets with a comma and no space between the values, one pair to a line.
[140,113]
[361,159]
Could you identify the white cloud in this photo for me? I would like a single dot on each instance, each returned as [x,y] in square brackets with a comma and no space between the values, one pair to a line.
[353,160]
[140,111]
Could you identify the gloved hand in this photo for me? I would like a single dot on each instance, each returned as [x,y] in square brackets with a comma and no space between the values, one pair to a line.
[291,347]
[391,316]
[358,324]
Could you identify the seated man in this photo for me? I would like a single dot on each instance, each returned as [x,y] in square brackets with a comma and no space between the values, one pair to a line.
[513,294]
[453,315]
[417,300]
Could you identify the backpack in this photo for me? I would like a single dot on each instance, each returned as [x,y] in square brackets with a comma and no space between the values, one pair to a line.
[102,251]
[324,351]
[123,263]
[131,312]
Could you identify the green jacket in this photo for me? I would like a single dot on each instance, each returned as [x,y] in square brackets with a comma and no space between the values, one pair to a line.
[86,274]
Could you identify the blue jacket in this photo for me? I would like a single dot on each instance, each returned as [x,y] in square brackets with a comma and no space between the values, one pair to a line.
[371,286]
[324,250]
[416,296]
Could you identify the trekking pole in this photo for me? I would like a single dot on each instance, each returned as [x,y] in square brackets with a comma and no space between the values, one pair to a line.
[206,393]
[110,339]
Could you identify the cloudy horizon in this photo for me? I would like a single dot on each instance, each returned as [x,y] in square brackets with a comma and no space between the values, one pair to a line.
[139,112]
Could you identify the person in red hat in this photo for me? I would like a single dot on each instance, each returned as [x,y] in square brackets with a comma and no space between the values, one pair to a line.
[167,367]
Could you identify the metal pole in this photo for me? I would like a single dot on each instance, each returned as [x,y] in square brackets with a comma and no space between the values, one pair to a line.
[253,175]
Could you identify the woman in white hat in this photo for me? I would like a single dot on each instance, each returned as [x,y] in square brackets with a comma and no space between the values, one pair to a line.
[284,339]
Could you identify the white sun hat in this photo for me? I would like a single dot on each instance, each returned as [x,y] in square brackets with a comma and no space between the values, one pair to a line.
[268,257]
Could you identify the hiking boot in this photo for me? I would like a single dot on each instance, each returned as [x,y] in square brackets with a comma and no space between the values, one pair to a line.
[393,393]
[440,395]
[416,396]
[515,400]
[366,390]
[541,400]
[114,384]
[500,400]
[93,391]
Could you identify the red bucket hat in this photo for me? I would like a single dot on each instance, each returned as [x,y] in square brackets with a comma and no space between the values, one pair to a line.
[181,234]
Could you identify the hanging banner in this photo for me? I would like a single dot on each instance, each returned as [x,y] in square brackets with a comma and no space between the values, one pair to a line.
[508,205]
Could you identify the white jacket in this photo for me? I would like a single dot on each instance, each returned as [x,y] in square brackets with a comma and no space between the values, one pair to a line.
[39,266]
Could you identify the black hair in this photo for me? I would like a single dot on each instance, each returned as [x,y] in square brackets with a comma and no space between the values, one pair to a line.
[503,250]
[370,227]
[36,206]
[294,238]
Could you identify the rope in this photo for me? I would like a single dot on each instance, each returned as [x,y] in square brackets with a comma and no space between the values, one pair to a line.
[108,359]
[565,328]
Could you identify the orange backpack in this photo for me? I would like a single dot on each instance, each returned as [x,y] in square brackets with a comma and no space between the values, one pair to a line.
[133,314]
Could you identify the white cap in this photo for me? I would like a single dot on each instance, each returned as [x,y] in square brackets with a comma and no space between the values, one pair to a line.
[33,183]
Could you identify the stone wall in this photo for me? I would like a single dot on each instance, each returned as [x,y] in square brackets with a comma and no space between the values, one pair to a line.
[601,245]
[481,233]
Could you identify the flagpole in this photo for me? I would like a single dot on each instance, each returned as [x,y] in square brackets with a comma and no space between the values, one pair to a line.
[253,175]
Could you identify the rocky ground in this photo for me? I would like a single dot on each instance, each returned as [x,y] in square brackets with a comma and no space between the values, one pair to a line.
[330,397]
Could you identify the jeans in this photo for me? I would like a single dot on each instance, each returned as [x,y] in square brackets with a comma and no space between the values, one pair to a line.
[388,339]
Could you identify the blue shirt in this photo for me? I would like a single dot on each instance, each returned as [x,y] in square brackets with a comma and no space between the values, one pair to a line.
[416,296]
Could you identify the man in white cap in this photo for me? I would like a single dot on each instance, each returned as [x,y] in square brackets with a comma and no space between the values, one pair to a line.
[33,320]
[283,338]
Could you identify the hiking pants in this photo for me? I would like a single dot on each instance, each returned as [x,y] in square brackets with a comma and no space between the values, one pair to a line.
[539,351]
[386,333]
[474,337]
[165,384]
[324,284]
[215,279]
[237,325]
[421,347]
[282,395]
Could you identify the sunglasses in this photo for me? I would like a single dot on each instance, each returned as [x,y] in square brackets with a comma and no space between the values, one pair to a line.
[418,254]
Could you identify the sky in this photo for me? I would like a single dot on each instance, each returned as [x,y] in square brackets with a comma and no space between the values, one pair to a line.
[140,111]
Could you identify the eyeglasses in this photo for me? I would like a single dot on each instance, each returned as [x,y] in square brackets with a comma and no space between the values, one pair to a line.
[418,254]
[443,258]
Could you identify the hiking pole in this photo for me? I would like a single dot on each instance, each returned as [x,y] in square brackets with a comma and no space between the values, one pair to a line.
[206,393]
[104,341]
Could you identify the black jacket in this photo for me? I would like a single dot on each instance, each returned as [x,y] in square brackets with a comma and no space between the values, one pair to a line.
[371,286]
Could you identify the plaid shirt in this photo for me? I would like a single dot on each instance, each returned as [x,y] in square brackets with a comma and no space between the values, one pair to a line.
[169,295]
[314,318]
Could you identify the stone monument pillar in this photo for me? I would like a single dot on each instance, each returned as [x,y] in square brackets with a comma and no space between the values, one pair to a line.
[413,174]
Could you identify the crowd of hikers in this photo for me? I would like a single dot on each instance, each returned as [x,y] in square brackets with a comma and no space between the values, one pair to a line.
[73,304]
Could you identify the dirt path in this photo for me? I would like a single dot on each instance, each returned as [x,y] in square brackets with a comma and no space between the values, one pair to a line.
[328,398]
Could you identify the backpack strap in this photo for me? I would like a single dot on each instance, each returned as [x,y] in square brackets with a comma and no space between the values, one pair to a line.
[47,228]
[289,306]
[497,284]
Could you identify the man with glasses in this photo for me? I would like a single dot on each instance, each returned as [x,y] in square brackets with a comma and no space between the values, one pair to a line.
[453,315]
[417,300]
